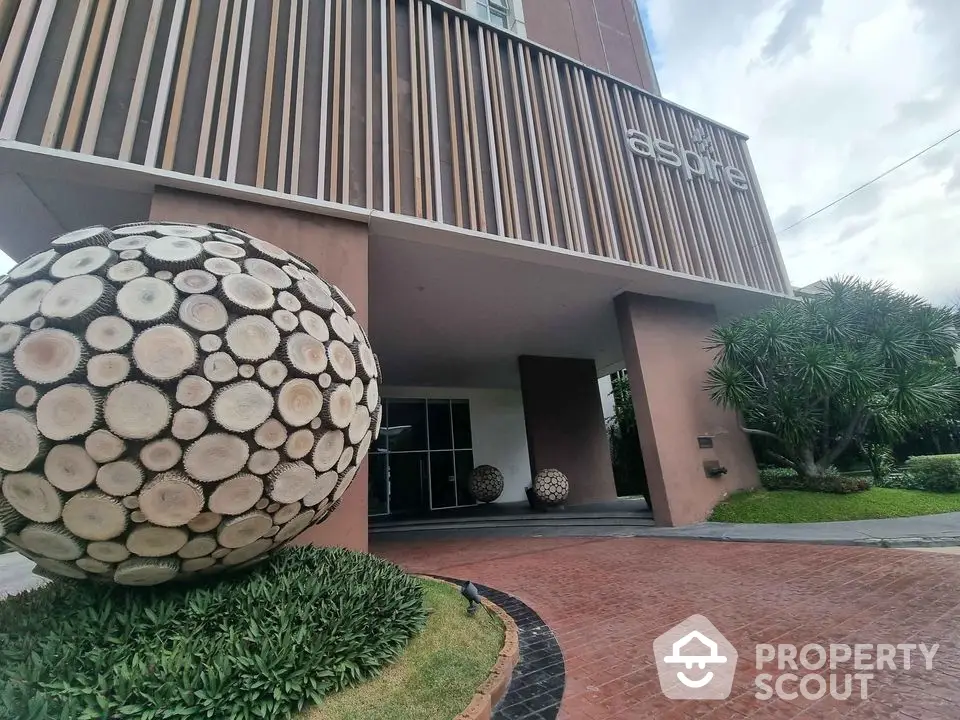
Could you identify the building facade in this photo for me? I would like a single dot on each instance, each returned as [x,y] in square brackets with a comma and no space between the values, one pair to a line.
[498,186]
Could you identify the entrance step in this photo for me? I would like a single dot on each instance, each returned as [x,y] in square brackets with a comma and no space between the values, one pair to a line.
[565,523]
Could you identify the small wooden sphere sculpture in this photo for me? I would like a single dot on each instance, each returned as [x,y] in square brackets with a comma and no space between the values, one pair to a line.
[551,487]
[485,483]
[174,399]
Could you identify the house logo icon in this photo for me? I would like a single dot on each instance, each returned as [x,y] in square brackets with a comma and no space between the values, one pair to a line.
[694,661]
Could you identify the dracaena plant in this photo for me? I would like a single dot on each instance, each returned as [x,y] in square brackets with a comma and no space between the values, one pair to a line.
[816,375]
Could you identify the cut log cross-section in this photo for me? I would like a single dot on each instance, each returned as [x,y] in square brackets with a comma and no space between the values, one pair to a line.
[299,444]
[328,449]
[20,441]
[26,396]
[136,411]
[153,541]
[96,235]
[204,313]
[266,272]
[288,301]
[32,496]
[286,513]
[342,363]
[219,367]
[144,572]
[93,565]
[171,500]
[305,354]
[210,343]
[77,299]
[236,495]
[325,484]
[120,478]
[10,337]
[341,327]
[51,541]
[173,253]
[33,266]
[49,356]
[204,522]
[160,455]
[300,401]
[290,482]
[107,369]
[315,294]
[220,248]
[83,261]
[222,267]
[188,424]
[193,390]
[91,515]
[263,461]
[315,325]
[356,389]
[243,530]
[68,411]
[271,435]
[294,527]
[23,303]
[198,546]
[133,241]
[268,250]
[247,552]
[252,338]
[111,552]
[69,467]
[146,300]
[247,293]
[285,320]
[339,406]
[196,564]
[109,333]
[272,373]
[359,424]
[127,270]
[195,281]
[165,352]
[242,406]
[103,446]
[216,456]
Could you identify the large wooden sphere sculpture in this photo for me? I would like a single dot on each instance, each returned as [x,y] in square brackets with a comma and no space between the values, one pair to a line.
[485,483]
[174,399]
[551,487]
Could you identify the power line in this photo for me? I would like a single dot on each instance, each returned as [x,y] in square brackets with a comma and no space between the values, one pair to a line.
[870,182]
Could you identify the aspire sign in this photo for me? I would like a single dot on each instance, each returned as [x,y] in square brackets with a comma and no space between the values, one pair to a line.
[690,162]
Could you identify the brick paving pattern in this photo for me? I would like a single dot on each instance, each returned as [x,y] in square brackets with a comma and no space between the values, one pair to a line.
[607,599]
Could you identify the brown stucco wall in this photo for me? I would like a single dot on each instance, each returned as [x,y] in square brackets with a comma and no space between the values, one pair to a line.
[663,347]
[565,429]
[339,249]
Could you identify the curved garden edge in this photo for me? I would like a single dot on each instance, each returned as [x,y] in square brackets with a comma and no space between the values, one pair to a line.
[491,690]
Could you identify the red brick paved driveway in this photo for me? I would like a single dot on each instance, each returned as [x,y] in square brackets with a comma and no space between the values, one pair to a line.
[607,599]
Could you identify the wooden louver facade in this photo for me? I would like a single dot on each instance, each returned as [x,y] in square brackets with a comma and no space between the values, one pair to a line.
[401,106]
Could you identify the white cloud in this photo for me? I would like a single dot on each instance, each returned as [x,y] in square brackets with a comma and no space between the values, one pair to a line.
[832,93]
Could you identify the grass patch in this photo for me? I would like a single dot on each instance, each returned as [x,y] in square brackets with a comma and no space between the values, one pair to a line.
[438,674]
[796,506]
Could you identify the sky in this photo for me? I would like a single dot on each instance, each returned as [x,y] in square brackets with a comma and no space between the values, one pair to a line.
[832,93]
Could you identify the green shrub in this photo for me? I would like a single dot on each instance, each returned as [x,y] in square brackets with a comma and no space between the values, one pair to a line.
[779,478]
[880,461]
[305,623]
[933,473]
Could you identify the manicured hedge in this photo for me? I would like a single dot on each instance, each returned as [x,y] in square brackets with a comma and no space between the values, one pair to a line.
[933,473]
[778,478]
[306,623]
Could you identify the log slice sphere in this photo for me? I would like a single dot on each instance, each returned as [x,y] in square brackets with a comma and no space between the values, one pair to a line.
[174,400]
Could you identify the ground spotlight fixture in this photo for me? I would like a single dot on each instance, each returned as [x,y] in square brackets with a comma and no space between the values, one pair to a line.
[474,598]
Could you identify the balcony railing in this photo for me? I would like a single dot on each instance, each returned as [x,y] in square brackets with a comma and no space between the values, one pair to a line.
[404,106]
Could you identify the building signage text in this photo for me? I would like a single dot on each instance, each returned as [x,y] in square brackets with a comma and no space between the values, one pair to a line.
[690,162]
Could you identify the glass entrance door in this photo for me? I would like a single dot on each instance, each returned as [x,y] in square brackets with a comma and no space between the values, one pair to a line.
[422,459]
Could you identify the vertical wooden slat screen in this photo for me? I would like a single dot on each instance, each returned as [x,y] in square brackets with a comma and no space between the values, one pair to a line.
[415,109]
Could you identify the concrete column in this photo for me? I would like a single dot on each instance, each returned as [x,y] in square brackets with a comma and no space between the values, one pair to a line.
[339,250]
[663,347]
[565,429]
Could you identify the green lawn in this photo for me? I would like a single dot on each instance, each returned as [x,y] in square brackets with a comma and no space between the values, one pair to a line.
[437,675]
[794,506]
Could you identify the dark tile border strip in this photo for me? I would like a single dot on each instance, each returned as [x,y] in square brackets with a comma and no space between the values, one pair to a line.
[536,686]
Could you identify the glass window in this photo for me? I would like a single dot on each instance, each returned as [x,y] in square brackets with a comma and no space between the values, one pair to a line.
[408,426]
[443,480]
[496,12]
[460,410]
[441,430]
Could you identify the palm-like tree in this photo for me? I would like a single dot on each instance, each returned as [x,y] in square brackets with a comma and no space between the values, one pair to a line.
[816,375]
